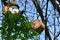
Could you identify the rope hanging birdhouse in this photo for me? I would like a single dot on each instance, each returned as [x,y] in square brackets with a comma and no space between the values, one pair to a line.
[12,7]
[38,25]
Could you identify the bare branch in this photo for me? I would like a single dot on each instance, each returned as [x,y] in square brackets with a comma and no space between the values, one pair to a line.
[39,10]
[56,6]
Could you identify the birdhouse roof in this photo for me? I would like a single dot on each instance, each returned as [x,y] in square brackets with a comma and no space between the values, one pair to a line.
[13,4]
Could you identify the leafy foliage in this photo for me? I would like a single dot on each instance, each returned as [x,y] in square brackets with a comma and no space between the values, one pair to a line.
[16,26]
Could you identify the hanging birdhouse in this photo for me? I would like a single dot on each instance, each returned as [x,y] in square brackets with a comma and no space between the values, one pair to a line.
[12,7]
[38,25]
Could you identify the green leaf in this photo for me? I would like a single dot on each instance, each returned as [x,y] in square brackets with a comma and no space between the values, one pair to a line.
[16,24]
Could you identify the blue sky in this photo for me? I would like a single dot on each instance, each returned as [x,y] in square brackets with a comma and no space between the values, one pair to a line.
[0,13]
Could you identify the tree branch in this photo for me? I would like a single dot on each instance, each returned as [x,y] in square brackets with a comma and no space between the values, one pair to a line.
[39,10]
[55,5]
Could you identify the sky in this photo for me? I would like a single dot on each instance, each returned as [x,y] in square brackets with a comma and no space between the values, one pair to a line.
[0,13]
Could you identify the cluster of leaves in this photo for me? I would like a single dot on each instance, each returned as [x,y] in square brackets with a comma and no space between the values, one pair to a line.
[16,26]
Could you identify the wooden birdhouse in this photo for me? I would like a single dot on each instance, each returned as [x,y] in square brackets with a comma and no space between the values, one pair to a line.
[12,7]
[38,25]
